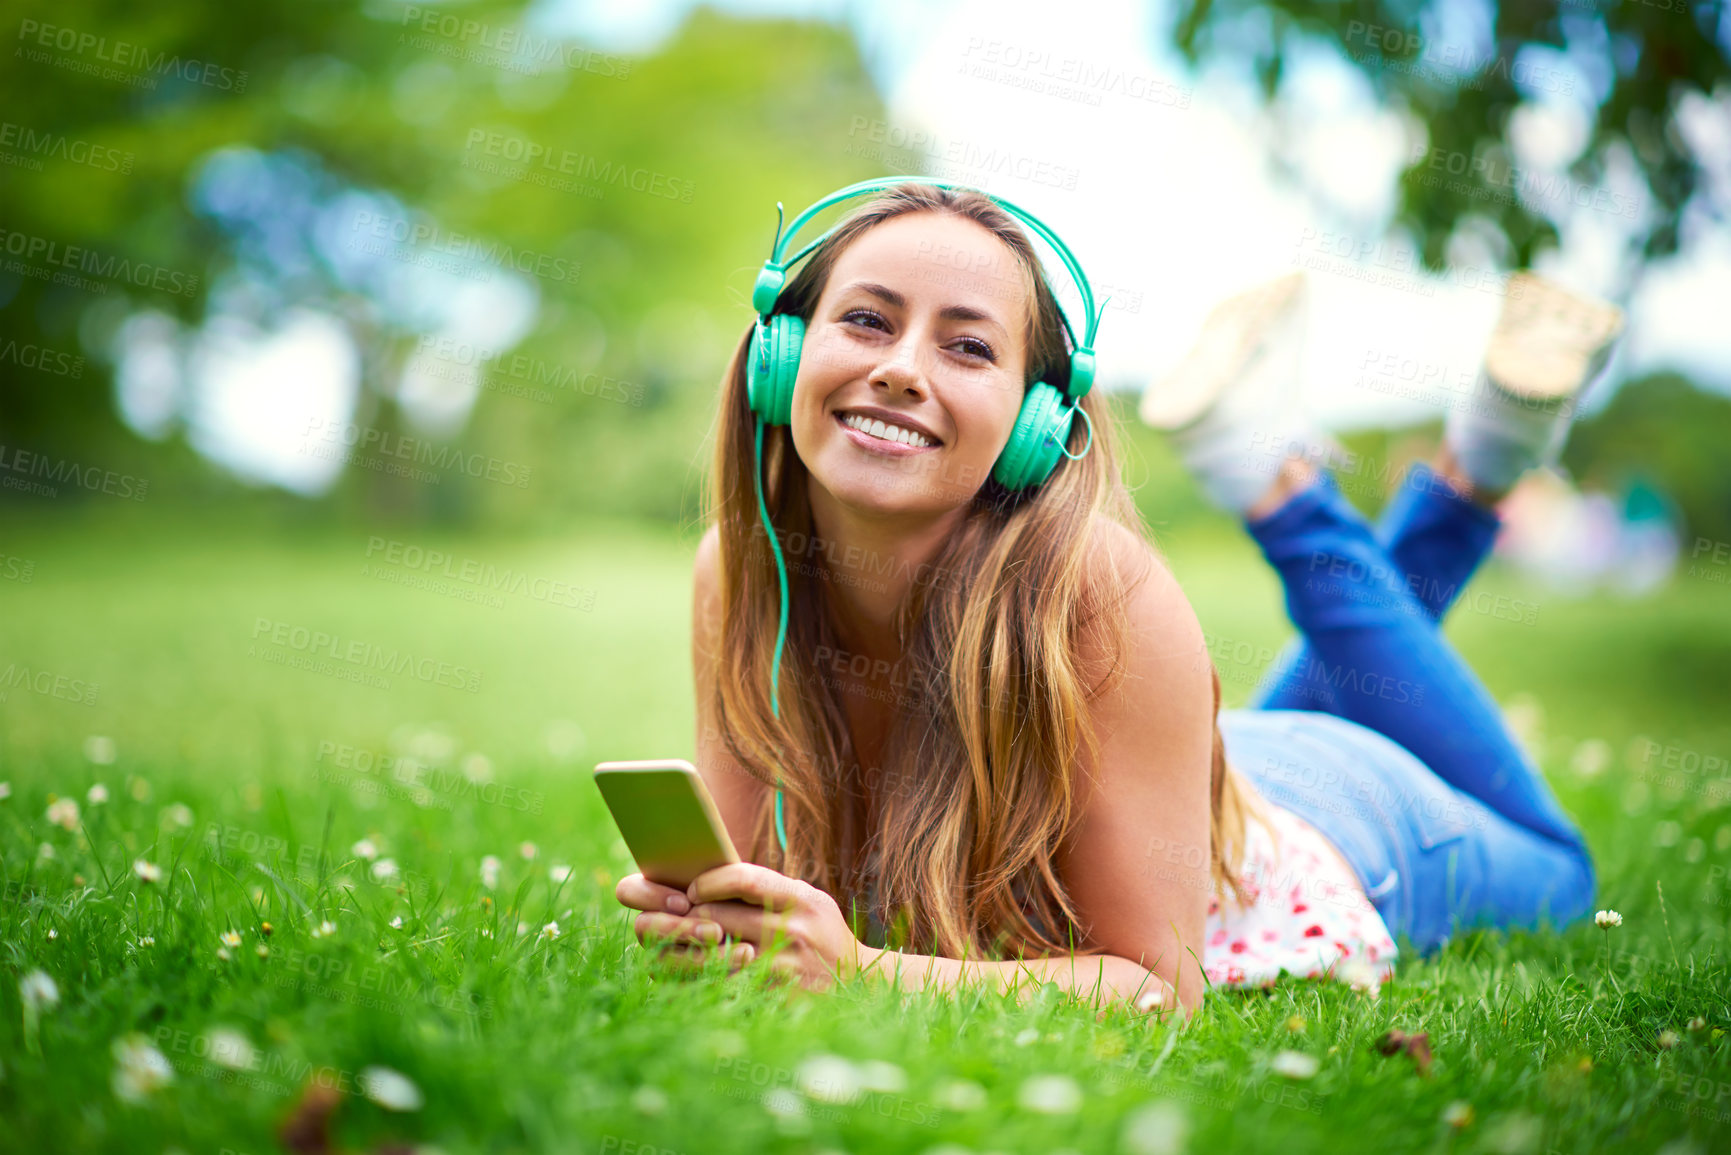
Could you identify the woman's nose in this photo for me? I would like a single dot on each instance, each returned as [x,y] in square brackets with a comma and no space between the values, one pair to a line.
[900,370]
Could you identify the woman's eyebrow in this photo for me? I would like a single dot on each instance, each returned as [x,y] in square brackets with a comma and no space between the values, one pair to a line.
[949,312]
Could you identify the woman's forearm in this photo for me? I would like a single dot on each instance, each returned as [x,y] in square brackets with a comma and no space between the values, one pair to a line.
[1100,979]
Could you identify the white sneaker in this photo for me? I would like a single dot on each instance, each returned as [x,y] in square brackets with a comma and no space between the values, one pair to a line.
[1548,345]
[1230,407]
[1239,332]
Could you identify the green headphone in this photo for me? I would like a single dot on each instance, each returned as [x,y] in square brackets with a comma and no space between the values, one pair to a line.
[772,366]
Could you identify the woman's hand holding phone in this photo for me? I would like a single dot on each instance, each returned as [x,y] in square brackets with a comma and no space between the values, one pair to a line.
[745,910]
[667,923]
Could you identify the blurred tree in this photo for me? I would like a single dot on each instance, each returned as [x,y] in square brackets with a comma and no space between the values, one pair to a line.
[1468,70]
[240,148]
[1663,431]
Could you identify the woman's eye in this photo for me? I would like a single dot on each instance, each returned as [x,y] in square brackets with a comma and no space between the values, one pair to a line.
[974,347]
[864,317]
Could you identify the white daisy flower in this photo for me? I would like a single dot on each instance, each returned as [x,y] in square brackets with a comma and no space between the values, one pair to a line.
[99,749]
[147,940]
[783,1103]
[1360,976]
[139,1068]
[397,923]
[477,767]
[879,1075]
[1156,1129]
[223,954]
[830,1078]
[1295,1065]
[490,872]
[176,814]
[324,929]
[392,1090]
[558,872]
[147,872]
[1590,757]
[961,1095]
[46,850]
[229,1048]
[53,934]
[1050,1095]
[261,950]
[551,930]
[5,791]
[384,869]
[63,812]
[37,992]
[649,1100]
[365,849]
[527,850]
[97,794]
[231,938]
[1606,919]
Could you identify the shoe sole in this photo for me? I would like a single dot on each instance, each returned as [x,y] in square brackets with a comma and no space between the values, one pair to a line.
[1547,339]
[1231,337]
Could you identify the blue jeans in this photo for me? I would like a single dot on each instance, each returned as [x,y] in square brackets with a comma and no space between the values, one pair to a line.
[1374,730]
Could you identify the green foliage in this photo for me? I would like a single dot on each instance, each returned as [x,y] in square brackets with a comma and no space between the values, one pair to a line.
[719,125]
[1644,57]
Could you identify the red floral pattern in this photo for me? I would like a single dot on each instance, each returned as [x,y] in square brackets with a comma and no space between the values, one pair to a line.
[1308,913]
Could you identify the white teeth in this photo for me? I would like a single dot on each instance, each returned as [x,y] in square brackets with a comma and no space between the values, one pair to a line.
[885,432]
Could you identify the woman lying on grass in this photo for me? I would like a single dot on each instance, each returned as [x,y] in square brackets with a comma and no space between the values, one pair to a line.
[998,726]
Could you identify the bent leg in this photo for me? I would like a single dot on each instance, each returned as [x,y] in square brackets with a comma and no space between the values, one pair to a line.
[1380,659]
[1436,539]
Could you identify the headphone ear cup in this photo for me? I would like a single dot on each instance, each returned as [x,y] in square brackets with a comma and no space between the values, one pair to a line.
[1033,449]
[772,367]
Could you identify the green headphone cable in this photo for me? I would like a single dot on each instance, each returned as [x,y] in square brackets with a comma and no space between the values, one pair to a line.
[781,631]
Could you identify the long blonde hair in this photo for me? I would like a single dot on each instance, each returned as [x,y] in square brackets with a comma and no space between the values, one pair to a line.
[991,696]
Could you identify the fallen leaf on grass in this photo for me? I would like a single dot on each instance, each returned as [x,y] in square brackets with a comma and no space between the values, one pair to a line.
[307,1130]
[1418,1046]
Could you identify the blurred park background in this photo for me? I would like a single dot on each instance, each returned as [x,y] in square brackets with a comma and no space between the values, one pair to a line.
[255,258]
[401,325]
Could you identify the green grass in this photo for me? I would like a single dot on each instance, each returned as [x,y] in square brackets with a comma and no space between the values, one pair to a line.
[579,1042]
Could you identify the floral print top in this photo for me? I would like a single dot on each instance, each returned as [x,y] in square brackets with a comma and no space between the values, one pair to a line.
[1308,914]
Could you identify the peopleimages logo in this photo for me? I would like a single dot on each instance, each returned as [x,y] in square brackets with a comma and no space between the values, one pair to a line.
[533,154]
[56,146]
[421,452]
[130,56]
[363,655]
[52,253]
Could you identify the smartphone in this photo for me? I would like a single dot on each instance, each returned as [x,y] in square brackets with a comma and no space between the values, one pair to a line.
[669,821]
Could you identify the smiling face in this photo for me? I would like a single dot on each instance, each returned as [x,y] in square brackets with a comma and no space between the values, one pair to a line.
[920,327]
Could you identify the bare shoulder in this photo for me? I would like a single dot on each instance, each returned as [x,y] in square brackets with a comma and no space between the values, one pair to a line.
[1159,620]
[707,568]
[706,586]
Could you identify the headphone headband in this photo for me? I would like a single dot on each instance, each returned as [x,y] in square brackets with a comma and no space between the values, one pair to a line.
[774,273]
